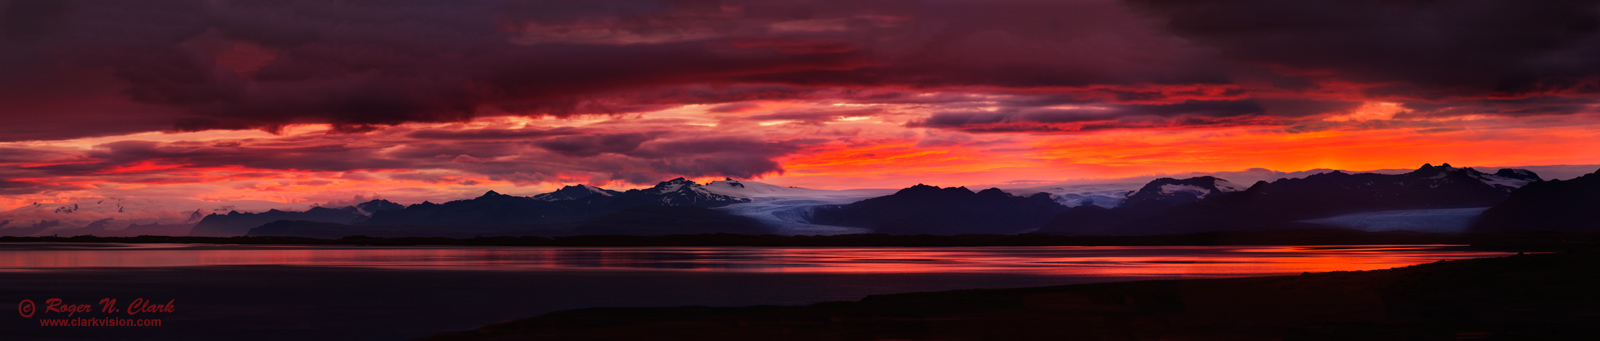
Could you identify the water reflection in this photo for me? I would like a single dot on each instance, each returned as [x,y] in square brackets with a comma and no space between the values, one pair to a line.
[1119,261]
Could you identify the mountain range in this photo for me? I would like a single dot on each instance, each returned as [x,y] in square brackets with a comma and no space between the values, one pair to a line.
[1549,205]
[924,209]
[237,224]
[673,206]
[1431,198]
[121,216]
[1286,203]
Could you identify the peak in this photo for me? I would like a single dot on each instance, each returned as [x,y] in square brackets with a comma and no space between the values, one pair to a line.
[1519,174]
[920,188]
[677,184]
[993,191]
[926,189]
[378,205]
[580,188]
[1205,178]
[1428,166]
[1431,170]
[491,193]
[677,181]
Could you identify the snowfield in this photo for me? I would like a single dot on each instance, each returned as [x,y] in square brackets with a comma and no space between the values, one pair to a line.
[1106,195]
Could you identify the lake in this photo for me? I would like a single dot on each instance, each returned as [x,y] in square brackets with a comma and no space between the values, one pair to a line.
[373,292]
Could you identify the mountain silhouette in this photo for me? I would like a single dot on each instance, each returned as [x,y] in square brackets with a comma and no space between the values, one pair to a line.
[1550,205]
[575,192]
[924,209]
[1168,192]
[561,206]
[671,207]
[1282,203]
[238,224]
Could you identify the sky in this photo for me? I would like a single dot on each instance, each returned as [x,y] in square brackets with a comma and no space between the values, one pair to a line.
[320,101]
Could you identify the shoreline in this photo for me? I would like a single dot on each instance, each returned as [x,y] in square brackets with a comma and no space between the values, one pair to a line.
[1521,296]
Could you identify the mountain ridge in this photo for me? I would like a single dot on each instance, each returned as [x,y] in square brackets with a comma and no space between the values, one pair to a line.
[1285,202]
[924,209]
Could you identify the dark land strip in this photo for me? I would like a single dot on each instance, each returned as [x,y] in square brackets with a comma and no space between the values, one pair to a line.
[1526,296]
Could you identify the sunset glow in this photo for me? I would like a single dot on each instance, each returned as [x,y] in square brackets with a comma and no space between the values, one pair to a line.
[458,100]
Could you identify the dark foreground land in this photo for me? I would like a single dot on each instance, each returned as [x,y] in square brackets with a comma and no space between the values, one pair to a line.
[1527,296]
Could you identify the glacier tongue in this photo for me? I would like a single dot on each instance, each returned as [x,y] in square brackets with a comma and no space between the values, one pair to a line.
[788,209]
[790,216]
[1448,220]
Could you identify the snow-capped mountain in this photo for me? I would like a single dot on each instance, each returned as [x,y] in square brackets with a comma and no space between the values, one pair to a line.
[1572,204]
[1112,193]
[568,205]
[1506,179]
[1165,192]
[1168,191]
[1353,198]
[575,192]
[1435,220]
[683,192]
[1106,195]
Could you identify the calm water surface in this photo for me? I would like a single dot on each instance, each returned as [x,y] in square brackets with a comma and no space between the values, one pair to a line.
[257,292]
[1122,261]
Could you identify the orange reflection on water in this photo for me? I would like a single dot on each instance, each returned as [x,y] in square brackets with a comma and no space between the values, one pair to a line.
[1109,261]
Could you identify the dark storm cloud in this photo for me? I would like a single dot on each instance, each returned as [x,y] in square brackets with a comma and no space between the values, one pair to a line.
[23,155]
[642,157]
[1098,117]
[592,145]
[812,117]
[1502,107]
[194,65]
[453,150]
[735,107]
[92,68]
[714,145]
[9,187]
[336,157]
[741,166]
[1432,49]
[491,134]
